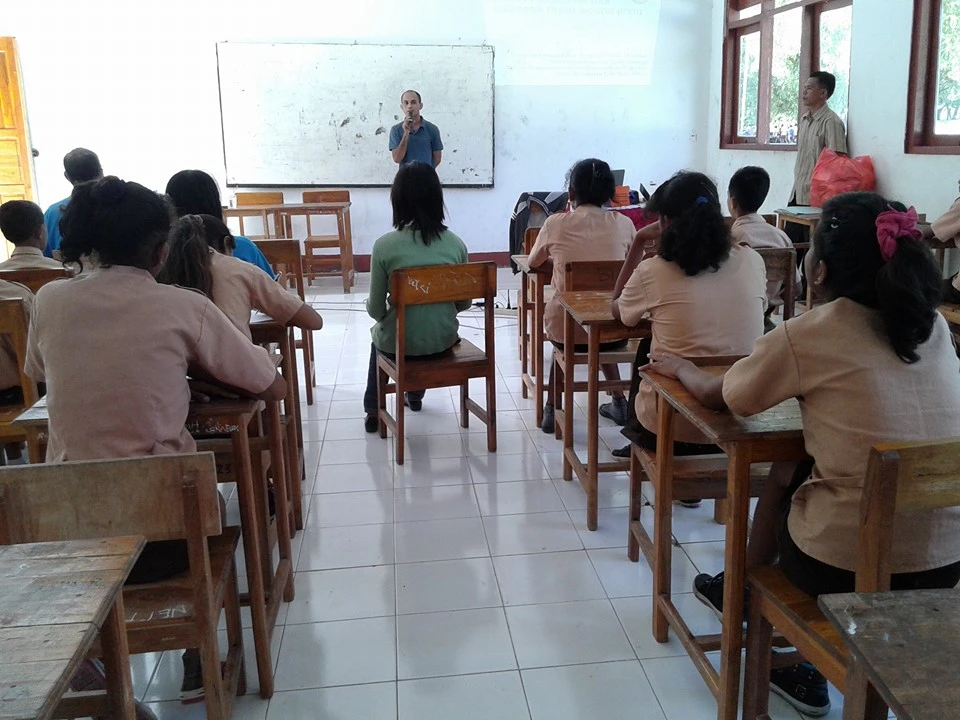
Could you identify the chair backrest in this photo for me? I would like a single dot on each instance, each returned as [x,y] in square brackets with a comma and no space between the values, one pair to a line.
[149,496]
[781,265]
[36,278]
[13,325]
[771,218]
[529,238]
[586,276]
[441,284]
[285,259]
[259,198]
[901,479]
[325,196]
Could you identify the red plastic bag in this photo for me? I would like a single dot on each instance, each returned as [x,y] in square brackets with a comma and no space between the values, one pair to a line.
[835,174]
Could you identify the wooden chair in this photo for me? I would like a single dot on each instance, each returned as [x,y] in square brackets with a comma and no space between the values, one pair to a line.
[530,341]
[781,266]
[316,263]
[280,227]
[901,480]
[441,284]
[35,279]
[13,328]
[163,497]
[285,259]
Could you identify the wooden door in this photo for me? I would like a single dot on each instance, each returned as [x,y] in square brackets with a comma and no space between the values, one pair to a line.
[15,152]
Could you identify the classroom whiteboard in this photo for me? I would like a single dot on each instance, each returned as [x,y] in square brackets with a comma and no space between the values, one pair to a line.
[320,114]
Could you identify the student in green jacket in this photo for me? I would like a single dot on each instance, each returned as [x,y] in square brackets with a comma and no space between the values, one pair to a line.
[419,239]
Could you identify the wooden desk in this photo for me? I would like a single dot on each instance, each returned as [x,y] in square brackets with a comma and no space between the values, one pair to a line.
[530,328]
[265,331]
[591,311]
[906,643]
[267,586]
[55,598]
[286,211]
[806,219]
[774,435]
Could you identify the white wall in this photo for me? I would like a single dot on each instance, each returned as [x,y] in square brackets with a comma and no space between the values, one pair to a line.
[140,88]
[880,56]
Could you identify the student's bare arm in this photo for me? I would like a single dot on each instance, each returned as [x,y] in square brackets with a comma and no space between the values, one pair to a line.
[306,318]
[706,388]
[276,392]
[645,238]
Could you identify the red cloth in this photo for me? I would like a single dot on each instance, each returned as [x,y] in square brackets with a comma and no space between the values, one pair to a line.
[638,216]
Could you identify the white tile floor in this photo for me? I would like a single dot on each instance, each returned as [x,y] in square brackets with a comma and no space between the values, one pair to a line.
[463,585]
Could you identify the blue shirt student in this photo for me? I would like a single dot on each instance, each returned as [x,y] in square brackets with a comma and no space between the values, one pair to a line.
[51,218]
[421,144]
[246,250]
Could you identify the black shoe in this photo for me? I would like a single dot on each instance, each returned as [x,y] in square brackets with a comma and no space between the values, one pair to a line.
[371,424]
[803,687]
[191,689]
[415,404]
[616,410]
[709,591]
[623,452]
[689,502]
[547,424]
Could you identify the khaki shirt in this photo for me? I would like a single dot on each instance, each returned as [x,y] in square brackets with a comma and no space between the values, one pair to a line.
[587,233]
[947,226]
[854,393]
[714,313]
[823,129]
[29,258]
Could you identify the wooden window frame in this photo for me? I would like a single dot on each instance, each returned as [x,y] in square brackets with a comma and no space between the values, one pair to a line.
[920,138]
[736,28]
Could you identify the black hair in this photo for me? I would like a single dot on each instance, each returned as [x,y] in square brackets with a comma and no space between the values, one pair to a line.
[419,99]
[20,221]
[749,187]
[591,181]
[825,80]
[188,259]
[697,238]
[417,199]
[194,192]
[82,165]
[117,222]
[905,288]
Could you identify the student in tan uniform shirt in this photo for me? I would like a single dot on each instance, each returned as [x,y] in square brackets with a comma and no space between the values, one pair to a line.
[115,348]
[588,232]
[21,222]
[200,258]
[946,229]
[703,294]
[874,364]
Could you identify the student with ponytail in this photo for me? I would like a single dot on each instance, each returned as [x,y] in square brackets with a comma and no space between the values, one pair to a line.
[874,364]
[199,258]
[115,348]
[704,295]
[587,233]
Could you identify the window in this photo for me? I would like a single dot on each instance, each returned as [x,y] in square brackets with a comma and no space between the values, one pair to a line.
[771,47]
[933,100]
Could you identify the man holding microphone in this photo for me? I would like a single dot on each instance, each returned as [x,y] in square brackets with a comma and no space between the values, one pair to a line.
[414,139]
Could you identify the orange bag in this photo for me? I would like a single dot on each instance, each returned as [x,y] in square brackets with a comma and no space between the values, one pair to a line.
[835,174]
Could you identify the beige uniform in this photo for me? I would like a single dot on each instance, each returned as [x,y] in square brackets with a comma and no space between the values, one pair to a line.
[29,258]
[239,287]
[713,313]
[756,232]
[854,393]
[114,347]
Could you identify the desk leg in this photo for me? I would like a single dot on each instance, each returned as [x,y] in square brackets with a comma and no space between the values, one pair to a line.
[861,701]
[292,409]
[569,350]
[663,518]
[252,547]
[593,424]
[522,331]
[116,661]
[734,579]
[537,352]
[281,481]
[346,249]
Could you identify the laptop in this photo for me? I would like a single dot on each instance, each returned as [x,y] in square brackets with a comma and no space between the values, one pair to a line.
[618,177]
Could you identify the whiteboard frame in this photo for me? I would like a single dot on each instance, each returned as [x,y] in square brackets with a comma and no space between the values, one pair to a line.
[493,115]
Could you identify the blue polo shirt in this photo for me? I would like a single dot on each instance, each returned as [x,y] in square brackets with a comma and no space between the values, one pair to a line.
[51,218]
[247,250]
[421,145]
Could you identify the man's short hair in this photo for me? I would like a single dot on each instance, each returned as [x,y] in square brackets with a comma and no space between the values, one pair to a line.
[419,99]
[20,220]
[749,187]
[82,165]
[825,80]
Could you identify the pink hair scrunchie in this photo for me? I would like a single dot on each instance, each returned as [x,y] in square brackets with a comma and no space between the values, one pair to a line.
[893,225]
